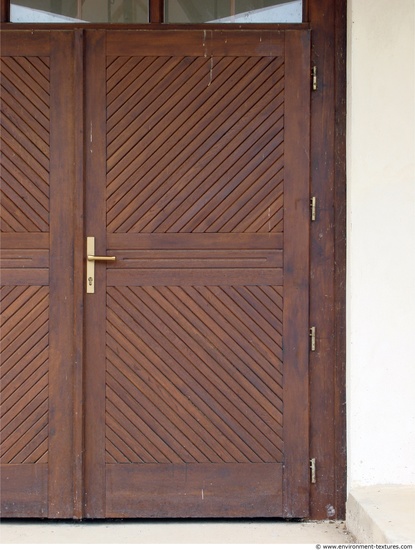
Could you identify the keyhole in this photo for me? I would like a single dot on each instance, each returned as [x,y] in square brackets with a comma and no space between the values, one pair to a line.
[90,280]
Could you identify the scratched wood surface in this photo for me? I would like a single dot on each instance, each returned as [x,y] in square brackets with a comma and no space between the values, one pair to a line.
[205,205]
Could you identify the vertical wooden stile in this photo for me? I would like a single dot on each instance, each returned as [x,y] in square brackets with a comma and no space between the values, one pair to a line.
[79,268]
[95,178]
[296,267]
[61,334]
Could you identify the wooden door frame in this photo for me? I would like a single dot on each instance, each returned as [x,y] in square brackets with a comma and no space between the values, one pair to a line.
[327,20]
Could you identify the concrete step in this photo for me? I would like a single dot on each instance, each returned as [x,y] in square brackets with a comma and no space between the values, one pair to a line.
[382,514]
[246,532]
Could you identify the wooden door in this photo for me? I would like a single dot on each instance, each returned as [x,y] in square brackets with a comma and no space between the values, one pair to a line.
[195,364]
[197,335]
[38,156]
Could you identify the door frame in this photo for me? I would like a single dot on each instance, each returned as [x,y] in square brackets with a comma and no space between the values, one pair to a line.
[327,21]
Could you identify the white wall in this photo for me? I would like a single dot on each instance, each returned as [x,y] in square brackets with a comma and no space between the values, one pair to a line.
[381,242]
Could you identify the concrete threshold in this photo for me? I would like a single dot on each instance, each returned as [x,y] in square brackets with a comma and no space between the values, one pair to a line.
[173,532]
[383,514]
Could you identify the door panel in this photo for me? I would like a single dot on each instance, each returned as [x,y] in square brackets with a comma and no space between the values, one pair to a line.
[200,381]
[194,360]
[36,273]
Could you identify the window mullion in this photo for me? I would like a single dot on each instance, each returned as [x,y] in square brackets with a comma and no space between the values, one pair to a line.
[4,11]
[156,10]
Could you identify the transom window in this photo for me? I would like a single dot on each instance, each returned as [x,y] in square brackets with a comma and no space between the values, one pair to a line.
[156,11]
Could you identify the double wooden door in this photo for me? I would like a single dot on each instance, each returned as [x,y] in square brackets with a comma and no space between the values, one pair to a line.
[179,387]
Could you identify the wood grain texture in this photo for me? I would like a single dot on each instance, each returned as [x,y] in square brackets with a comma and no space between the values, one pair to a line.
[327,273]
[24,374]
[165,491]
[24,271]
[24,490]
[24,258]
[326,390]
[38,174]
[296,276]
[25,42]
[340,463]
[203,154]
[202,42]
[79,280]
[61,276]
[25,113]
[198,328]
[95,174]
[212,368]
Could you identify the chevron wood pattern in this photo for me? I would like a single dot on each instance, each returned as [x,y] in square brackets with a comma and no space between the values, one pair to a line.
[195,144]
[25,100]
[24,374]
[188,380]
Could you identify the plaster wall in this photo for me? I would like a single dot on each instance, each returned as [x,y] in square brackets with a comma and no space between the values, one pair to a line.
[381,242]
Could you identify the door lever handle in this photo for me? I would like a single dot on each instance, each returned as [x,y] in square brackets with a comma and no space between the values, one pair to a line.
[90,264]
[92,258]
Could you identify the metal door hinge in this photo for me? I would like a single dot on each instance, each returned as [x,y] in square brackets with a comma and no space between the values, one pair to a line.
[313,338]
[314,77]
[313,470]
[313,202]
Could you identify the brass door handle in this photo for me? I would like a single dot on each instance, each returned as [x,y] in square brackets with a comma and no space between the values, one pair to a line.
[101,258]
[90,264]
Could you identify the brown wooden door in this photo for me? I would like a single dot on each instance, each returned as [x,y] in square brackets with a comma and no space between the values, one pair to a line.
[197,335]
[196,339]
[38,156]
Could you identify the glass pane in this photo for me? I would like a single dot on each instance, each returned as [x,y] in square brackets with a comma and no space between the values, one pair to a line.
[87,11]
[233,11]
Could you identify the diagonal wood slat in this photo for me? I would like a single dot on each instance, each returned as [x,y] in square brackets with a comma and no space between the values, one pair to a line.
[24,374]
[183,385]
[175,182]
[180,371]
[195,147]
[25,160]
[220,390]
[217,353]
[209,139]
[206,168]
[165,386]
